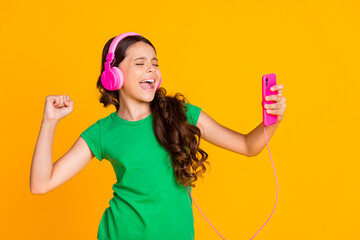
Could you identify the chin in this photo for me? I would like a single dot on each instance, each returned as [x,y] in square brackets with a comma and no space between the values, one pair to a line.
[148,98]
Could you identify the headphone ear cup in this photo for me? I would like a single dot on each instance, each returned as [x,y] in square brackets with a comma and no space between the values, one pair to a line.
[113,79]
[159,83]
[119,77]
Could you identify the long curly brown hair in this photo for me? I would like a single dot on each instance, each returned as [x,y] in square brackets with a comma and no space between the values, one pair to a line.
[170,125]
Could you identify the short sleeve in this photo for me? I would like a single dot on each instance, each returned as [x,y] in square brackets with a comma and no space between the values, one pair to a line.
[92,137]
[193,113]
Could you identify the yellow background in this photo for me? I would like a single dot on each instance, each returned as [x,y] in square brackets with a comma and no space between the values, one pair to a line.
[215,54]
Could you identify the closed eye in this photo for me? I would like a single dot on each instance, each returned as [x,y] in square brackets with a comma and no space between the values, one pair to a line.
[154,64]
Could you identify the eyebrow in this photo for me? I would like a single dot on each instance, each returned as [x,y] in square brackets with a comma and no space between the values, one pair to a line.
[144,58]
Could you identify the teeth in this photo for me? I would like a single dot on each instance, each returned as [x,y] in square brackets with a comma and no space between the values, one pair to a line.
[149,80]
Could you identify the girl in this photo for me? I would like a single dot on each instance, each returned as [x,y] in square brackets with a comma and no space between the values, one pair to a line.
[151,140]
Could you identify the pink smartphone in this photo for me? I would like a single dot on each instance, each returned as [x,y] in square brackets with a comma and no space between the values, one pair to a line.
[268,81]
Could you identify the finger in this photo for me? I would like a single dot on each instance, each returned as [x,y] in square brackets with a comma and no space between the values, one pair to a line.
[61,101]
[272,98]
[64,99]
[278,105]
[277,87]
[68,101]
[270,112]
[276,98]
[273,112]
[56,102]
[271,106]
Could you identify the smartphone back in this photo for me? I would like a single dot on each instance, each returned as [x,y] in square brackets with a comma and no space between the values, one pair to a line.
[268,81]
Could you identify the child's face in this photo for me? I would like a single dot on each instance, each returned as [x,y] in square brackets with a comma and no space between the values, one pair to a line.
[136,71]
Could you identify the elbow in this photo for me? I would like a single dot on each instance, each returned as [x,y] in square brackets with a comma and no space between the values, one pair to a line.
[251,155]
[251,152]
[37,190]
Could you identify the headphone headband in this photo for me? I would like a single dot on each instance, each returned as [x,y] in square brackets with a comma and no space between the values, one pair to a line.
[111,53]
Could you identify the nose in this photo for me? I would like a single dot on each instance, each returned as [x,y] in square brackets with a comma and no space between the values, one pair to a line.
[152,68]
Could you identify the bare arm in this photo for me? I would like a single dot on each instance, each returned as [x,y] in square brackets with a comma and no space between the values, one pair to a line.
[250,144]
[221,136]
[44,175]
[42,165]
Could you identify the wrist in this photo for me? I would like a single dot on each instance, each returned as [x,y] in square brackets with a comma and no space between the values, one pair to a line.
[50,120]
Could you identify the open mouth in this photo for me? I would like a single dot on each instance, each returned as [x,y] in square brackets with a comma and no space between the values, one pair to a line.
[147,86]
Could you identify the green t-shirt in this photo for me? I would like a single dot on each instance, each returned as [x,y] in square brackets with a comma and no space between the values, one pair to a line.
[148,203]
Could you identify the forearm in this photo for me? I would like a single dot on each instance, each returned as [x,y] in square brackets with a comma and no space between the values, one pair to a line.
[42,165]
[256,139]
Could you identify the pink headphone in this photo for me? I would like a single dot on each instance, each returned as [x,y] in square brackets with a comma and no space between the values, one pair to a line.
[112,78]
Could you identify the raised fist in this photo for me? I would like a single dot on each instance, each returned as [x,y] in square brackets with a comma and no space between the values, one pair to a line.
[57,107]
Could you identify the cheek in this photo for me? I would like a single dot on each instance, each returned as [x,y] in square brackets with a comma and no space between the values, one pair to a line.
[133,73]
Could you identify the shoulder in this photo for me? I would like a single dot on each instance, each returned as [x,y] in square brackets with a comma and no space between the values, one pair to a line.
[192,112]
[97,125]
